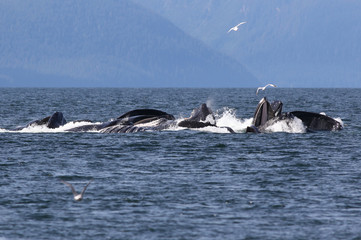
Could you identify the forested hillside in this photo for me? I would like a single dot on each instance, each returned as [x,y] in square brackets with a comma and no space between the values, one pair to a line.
[105,43]
[292,43]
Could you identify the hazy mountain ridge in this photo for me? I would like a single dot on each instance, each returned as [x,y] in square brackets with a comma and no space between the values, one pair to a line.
[293,43]
[116,43]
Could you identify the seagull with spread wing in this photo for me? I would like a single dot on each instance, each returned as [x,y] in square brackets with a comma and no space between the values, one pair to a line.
[77,197]
[264,88]
[235,28]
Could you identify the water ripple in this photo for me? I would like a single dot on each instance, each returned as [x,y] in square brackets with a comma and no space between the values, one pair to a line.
[178,184]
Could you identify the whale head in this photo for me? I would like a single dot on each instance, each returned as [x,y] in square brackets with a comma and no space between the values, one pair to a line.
[202,113]
[266,111]
[56,120]
[200,117]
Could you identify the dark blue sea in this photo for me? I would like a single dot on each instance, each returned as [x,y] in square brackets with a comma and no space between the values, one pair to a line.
[178,183]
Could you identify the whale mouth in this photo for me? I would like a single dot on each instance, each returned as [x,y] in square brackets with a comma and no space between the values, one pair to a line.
[269,118]
[266,111]
[56,120]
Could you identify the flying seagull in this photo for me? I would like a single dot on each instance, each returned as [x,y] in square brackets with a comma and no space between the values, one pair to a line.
[77,197]
[235,28]
[264,88]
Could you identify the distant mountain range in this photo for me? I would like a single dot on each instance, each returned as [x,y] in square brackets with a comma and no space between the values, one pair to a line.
[291,43]
[94,43]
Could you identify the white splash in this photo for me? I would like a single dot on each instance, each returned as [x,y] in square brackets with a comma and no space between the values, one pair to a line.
[294,125]
[224,118]
[44,129]
[210,103]
[151,123]
[2,130]
[340,121]
[71,125]
[227,118]
[210,119]
[212,129]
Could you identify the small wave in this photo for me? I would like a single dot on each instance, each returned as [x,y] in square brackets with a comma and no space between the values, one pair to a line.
[212,129]
[36,129]
[2,130]
[44,129]
[71,125]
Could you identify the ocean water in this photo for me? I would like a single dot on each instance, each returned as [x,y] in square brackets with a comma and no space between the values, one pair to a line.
[179,184]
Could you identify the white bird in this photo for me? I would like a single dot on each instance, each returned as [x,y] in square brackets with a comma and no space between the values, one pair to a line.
[235,28]
[77,197]
[264,88]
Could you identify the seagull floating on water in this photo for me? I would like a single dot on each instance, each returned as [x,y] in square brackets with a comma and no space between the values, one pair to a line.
[235,28]
[264,88]
[77,197]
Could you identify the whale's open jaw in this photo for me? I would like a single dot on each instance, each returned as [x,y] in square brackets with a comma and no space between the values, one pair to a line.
[267,114]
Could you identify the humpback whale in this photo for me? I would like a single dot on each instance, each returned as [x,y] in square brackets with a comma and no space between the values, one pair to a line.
[317,122]
[154,120]
[53,121]
[141,120]
[267,114]
[131,121]
[201,117]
